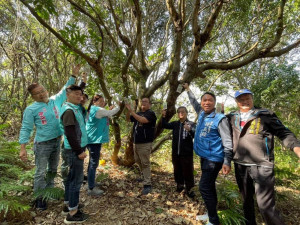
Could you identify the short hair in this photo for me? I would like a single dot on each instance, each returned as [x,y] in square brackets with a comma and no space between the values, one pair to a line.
[209,93]
[182,107]
[74,87]
[32,86]
[148,99]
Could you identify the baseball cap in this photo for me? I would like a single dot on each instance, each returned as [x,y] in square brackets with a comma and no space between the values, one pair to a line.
[242,92]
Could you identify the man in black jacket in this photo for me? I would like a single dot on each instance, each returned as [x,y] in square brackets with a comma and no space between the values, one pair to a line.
[143,136]
[182,150]
[253,132]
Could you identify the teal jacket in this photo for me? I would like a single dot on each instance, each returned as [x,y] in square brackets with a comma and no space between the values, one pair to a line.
[79,127]
[45,117]
[97,129]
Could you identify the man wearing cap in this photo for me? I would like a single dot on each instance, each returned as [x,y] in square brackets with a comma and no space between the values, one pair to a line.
[253,133]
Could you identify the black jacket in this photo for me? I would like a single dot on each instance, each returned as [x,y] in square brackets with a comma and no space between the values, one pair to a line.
[182,142]
[144,132]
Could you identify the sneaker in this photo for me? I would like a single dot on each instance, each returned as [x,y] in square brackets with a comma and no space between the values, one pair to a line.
[202,217]
[191,194]
[95,192]
[147,189]
[78,217]
[65,210]
[40,204]
[179,188]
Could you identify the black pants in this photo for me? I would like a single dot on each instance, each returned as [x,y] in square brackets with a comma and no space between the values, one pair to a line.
[207,187]
[263,187]
[183,171]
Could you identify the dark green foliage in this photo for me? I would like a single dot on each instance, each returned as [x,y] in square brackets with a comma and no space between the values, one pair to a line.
[49,193]
[230,203]
[12,178]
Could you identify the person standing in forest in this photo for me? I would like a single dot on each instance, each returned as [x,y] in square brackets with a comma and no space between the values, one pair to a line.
[182,150]
[143,136]
[213,143]
[253,131]
[75,141]
[97,127]
[44,115]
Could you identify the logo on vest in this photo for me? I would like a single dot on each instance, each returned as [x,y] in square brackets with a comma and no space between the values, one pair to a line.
[206,129]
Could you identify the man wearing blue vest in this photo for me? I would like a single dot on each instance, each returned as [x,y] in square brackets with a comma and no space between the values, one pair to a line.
[44,115]
[213,144]
[75,141]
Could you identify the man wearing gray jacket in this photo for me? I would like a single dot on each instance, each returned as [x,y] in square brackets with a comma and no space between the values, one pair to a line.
[253,133]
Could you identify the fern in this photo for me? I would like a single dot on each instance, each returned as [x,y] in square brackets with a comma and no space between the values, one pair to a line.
[49,193]
[12,205]
[231,217]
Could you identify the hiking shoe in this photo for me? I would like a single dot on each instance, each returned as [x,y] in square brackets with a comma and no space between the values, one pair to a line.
[202,217]
[40,204]
[179,188]
[95,192]
[191,194]
[147,189]
[65,210]
[78,217]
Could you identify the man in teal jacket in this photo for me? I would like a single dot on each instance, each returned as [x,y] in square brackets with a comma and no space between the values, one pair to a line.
[44,115]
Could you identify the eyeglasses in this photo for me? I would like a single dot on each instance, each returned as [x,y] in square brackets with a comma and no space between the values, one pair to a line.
[40,92]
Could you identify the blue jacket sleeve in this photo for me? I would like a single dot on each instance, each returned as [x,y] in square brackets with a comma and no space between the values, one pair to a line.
[61,96]
[27,127]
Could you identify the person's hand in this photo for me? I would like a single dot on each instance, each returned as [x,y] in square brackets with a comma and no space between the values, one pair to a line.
[187,126]
[84,76]
[226,169]
[111,107]
[82,155]
[128,106]
[164,113]
[186,86]
[297,151]
[23,154]
[75,70]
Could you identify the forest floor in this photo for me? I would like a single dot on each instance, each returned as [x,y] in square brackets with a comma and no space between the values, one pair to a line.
[122,203]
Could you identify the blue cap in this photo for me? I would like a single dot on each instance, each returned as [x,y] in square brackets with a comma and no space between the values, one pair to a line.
[242,92]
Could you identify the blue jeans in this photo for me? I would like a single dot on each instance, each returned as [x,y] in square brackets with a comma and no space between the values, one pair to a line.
[94,155]
[207,187]
[46,162]
[64,167]
[74,179]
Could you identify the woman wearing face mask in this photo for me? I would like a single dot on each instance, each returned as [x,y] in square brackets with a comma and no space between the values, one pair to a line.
[97,128]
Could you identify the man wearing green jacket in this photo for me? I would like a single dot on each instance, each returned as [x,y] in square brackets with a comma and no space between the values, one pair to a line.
[44,115]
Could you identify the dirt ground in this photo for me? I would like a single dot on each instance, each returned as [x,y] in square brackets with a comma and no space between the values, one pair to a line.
[122,203]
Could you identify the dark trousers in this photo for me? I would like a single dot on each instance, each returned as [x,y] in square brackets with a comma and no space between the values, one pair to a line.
[183,171]
[207,187]
[94,155]
[260,181]
[74,179]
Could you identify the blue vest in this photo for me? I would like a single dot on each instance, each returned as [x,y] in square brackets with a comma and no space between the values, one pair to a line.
[97,129]
[78,116]
[208,142]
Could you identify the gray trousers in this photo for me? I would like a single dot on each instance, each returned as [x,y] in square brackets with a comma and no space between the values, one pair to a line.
[260,181]
[142,158]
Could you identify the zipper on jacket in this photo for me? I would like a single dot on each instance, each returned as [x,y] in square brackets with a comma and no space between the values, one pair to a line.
[267,147]
[180,125]
[145,134]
